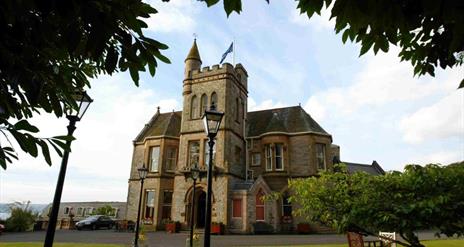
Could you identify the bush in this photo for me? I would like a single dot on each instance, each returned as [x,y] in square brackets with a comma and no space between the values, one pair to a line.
[22,218]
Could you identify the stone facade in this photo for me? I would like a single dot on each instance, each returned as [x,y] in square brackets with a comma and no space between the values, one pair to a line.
[255,154]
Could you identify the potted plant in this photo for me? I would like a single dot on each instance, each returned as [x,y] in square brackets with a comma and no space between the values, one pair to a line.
[217,228]
[172,226]
[303,228]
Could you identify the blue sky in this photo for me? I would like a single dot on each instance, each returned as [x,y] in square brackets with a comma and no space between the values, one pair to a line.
[372,105]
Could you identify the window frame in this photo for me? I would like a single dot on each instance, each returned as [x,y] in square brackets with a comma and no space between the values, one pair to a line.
[171,160]
[234,200]
[150,159]
[320,155]
[253,163]
[166,204]
[145,204]
[189,157]
[289,204]
[281,145]
[268,156]
[206,152]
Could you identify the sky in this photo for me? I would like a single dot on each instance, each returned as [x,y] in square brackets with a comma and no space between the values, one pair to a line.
[373,106]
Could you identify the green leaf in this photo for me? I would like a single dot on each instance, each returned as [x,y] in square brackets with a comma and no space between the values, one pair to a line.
[45,152]
[57,149]
[134,73]
[25,125]
[461,85]
[232,5]
[61,144]
[65,138]
[111,59]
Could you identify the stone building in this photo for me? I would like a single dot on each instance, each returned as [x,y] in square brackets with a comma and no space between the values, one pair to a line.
[255,154]
[71,212]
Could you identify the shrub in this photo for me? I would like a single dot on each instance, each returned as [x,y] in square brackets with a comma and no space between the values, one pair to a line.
[22,218]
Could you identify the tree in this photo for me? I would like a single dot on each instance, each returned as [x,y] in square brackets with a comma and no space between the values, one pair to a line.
[105,210]
[22,217]
[420,198]
[430,33]
[50,49]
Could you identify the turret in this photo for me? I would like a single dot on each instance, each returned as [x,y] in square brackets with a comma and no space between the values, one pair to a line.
[193,60]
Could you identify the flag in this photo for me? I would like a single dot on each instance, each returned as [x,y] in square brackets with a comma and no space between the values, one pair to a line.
[231,49]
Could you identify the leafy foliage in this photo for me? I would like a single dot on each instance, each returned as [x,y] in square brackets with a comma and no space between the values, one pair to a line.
[420,198]
[22,218]
[104,210]
[49,49]
[430,33]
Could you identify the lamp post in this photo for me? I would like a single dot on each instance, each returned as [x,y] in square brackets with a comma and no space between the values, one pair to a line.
[142,175]
[211,120]
[83,101]
[194,174]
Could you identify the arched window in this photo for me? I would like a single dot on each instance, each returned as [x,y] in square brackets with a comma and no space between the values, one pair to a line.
[204,103]
[214,100]
[194,107]
[260,206]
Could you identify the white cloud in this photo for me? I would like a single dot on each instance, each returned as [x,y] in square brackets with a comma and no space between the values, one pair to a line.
[383,80]
[264,105]
[441,157]
[174,16]
[102,149]
[442,119]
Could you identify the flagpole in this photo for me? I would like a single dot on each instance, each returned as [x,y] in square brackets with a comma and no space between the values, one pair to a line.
[233,50]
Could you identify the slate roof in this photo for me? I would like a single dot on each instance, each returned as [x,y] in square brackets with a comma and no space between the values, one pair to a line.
[167,124]
[373,169]
[288,120]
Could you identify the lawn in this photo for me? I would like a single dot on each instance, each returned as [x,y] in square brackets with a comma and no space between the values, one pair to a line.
[39,244]
[428,243]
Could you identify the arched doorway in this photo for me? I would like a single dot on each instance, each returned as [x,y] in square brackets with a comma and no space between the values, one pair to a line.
[200,209]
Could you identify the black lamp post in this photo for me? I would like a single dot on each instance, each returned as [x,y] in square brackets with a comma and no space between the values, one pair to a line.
[194,174]
[83,101]
[142,174]
[212,120]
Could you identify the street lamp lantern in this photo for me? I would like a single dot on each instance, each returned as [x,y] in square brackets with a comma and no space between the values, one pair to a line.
[82,100]
[212,121]
[142,172]
[142,175]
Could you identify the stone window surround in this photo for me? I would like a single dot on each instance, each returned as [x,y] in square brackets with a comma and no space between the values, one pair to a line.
[273,157]
[201,107]
[145,194]
[173,159]
[253,159]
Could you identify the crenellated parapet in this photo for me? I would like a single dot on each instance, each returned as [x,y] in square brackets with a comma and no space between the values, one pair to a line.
[217,72]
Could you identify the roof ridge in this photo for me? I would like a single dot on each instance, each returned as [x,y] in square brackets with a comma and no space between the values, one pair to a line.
[280,108]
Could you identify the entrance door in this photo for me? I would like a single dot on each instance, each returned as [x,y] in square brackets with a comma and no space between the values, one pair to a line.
[201,210]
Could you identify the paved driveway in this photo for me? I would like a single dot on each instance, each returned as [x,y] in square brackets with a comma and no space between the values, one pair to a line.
[164,239]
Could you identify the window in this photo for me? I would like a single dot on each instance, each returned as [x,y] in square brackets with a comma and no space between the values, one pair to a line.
[206,159]
[259,206]
[154,158]
[214,100]
[171,158]
[279,160]
[194,113]
[237,208]
[167,202]
[268,152]
[256,159]
[79,211]
[286,206]
[66,210]
[194,153]
[243,109]
[149,204]
[204,103]
[320,156]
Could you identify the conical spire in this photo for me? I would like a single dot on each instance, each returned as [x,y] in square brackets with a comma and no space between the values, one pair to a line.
[194,53]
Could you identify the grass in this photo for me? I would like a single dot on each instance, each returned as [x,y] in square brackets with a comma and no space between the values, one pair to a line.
[428,243]
[39,244]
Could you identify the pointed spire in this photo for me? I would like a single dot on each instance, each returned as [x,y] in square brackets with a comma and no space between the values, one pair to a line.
[194,53]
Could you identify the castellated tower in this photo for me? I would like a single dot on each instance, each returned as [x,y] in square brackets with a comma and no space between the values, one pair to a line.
[225,86]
